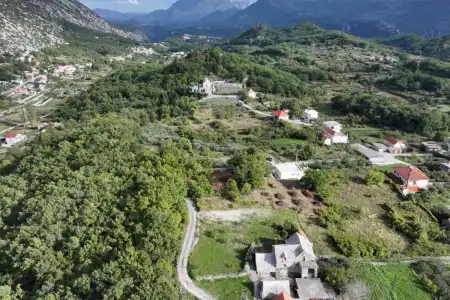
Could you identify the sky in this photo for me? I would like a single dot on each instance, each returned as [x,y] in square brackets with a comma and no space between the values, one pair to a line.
[129,5]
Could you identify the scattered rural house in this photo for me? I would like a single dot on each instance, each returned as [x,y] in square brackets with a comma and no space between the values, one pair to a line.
[414,180]
[431,147]
[178,55]
[308,289]
[206,87]
[293,260]
[446,223]
[310,115]
[280,115]
[251,93]
[42,126]
[20,91]
[283,296]
[296,258]
[271,288]
[289,171]
[394,146]
[332,133]
[67,70]
[374,157]
[379,147]
[13,138]
[333,125]
[445,167]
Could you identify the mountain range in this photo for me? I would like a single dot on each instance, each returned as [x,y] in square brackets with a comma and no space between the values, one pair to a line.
[368,18]
[33,24]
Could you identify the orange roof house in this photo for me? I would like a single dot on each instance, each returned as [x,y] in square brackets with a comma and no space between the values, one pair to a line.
[283,296]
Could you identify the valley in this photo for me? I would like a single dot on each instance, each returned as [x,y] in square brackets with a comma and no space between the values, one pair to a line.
[286,161]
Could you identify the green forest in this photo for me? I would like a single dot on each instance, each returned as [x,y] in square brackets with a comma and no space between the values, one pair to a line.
[87,214]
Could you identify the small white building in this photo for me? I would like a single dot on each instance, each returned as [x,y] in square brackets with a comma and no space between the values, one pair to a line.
[333,125]
[395,146]
[13,138]
[431,147]
[334,137]
[413,179]
[310,115]
[206,87]
[251,94]
[379,147]
[289,171]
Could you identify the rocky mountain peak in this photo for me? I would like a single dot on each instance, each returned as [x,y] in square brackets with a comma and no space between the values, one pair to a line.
[33,24]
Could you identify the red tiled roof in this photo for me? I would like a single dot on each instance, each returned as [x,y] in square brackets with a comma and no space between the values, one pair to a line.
[10,135]
[391,140]
[279,113]
[282,296]
[328,131]
[411,189]
[411,173]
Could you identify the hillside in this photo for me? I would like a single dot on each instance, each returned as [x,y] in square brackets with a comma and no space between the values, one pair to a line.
[31,25]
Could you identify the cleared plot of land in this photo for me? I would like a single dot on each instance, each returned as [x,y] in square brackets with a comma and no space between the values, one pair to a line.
[390,282]
[222,246]
[229,289]
[365,204]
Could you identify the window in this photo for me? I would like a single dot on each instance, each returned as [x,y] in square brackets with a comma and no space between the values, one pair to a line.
[414,182]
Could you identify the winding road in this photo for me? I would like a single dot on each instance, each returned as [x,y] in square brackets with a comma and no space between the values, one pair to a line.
[188,243]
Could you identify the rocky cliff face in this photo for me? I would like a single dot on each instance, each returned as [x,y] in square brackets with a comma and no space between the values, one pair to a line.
[33,24]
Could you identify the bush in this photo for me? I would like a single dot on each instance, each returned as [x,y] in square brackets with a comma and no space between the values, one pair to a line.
[231,191]
[374,178]
[337,271]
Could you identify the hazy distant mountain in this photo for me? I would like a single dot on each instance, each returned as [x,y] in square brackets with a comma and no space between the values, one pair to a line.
[116,16]
[418,16]
[185,12]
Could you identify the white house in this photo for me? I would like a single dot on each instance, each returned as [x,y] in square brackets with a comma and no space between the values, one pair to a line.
[280,115]
[13,138]
[414,180]
[310,115]
[289,171]
[395,146]
[207,87]
[333,125]
[335,137]
[445,167]
[251,93]
[379,147]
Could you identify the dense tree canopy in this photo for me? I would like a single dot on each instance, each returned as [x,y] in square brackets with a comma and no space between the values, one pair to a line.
[87,215]
[383,111]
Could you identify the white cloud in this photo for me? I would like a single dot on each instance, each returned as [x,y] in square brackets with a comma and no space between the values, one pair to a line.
[134,2]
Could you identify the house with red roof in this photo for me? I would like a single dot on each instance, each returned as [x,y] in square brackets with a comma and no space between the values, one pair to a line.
[282,296]
[332,134]
[12,138]
[395,146]
[20,91]
[413,179]
[280,115]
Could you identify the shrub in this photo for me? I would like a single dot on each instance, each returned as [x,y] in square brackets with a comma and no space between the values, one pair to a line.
[374,178]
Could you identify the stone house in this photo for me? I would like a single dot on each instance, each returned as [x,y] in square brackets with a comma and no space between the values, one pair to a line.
[295,259]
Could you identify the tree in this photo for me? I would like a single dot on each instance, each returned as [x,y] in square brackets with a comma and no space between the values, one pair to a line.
[249,167]
[246,189]
[231,191]
[307,152]
[375,178]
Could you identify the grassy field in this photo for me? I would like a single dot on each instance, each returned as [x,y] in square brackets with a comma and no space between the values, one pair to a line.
[389,168]
[229,289]
[366,204]
[392,282]
[287,141]
[223,245]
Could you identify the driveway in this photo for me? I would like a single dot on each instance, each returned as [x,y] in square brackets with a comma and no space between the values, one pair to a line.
[188,243]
